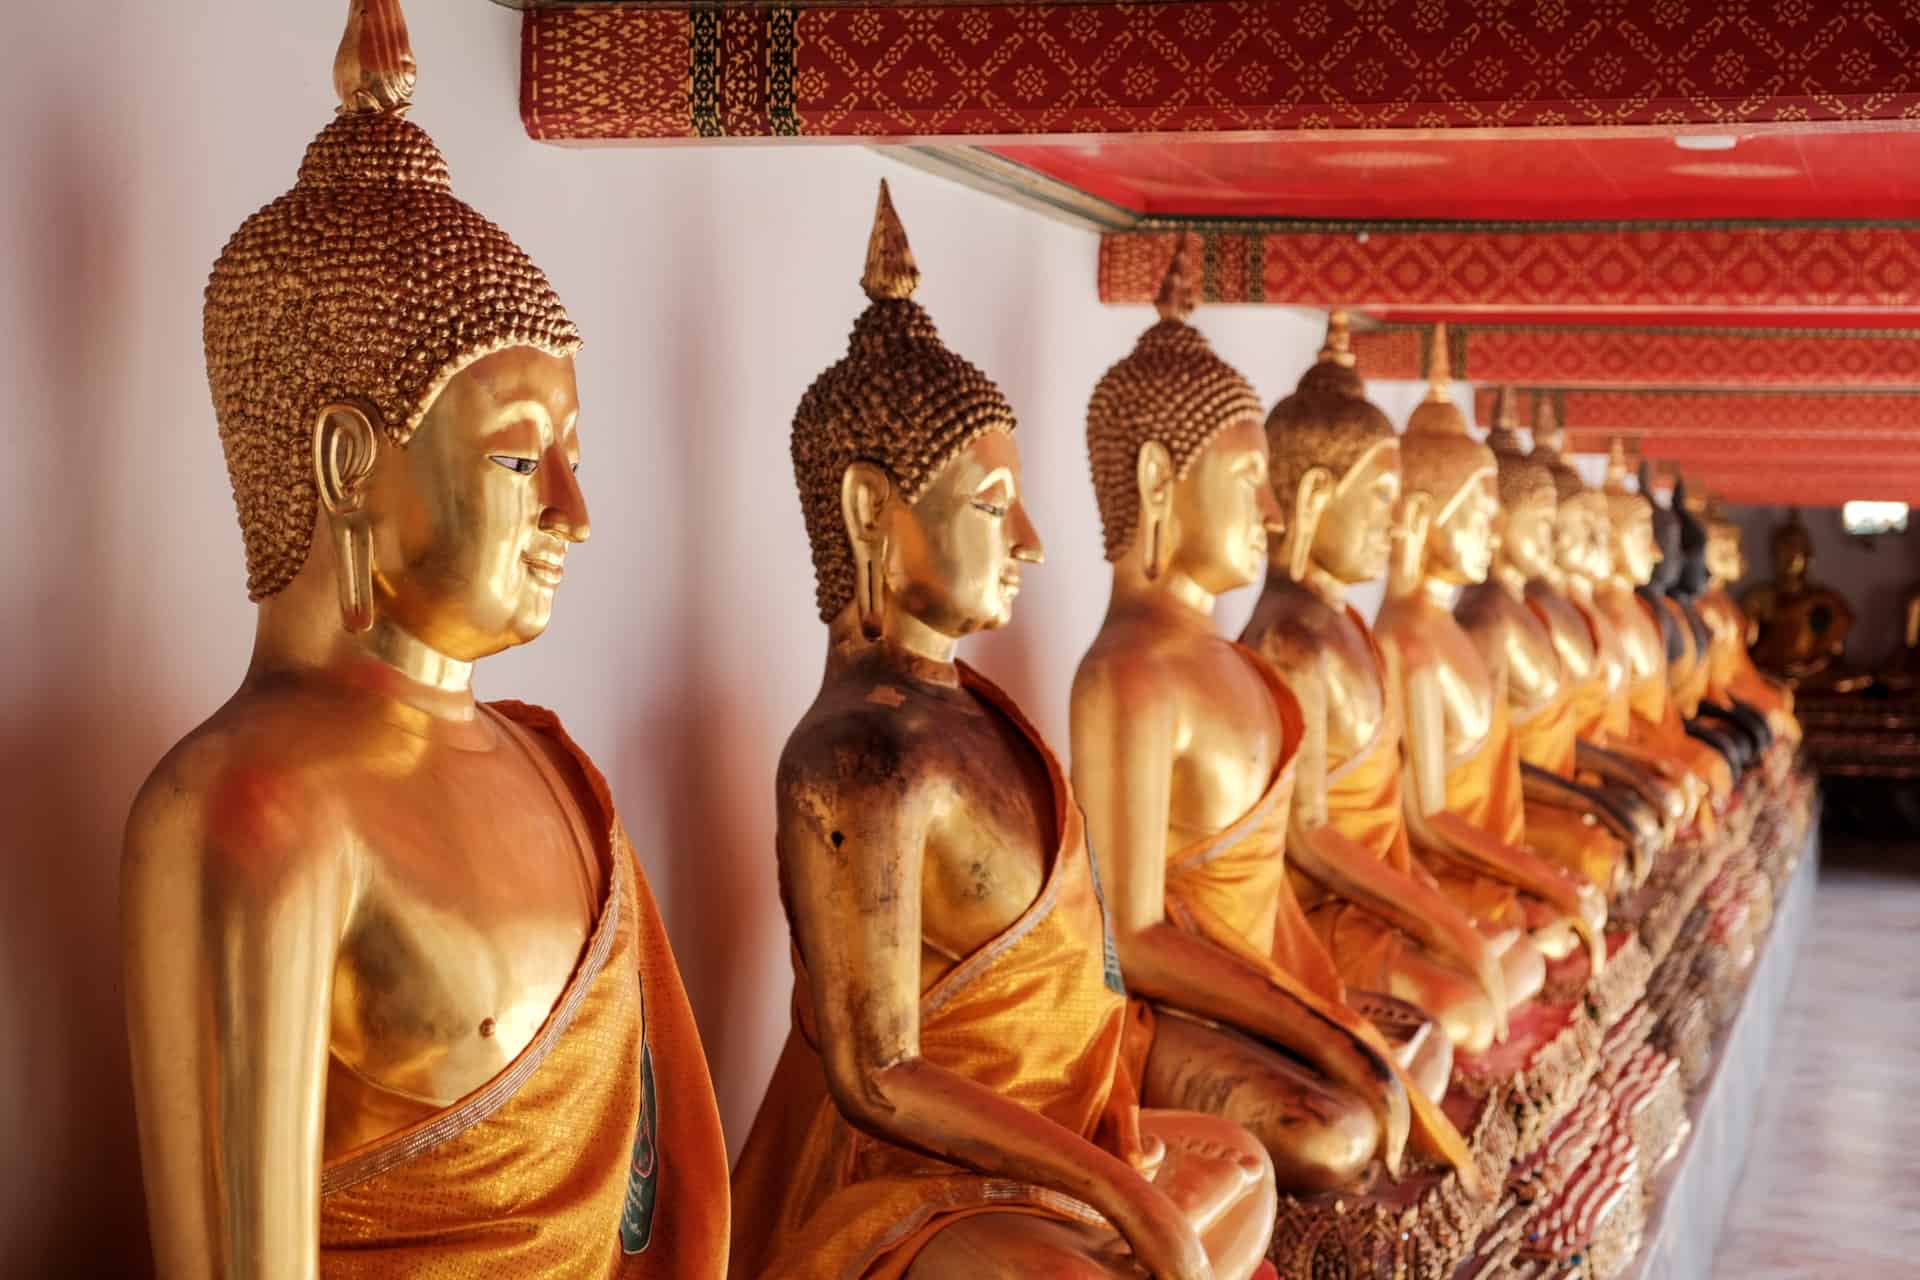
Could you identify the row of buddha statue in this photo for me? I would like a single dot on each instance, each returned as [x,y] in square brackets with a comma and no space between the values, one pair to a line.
[1279,969]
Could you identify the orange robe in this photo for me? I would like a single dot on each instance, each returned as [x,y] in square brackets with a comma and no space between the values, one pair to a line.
[1658,723]
[1234,890]
[1038,1014]
[1547,740]
[597,1151]
[1733,677]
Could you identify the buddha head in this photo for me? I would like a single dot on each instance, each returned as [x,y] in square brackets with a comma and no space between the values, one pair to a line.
[1792,548]
[1694,574]
[1583,534]
[1529,502]
[1179,462]
[1450,477]
[908,474]
[1630,517]
[390,370]
[1666,539]
[1336,468]
[1726,559]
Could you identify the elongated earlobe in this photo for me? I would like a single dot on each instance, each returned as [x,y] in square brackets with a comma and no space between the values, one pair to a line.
[344,447]
[864,492]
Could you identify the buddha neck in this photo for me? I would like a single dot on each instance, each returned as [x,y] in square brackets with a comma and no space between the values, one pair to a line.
[1330,590]
[299,638]
[1170,599]
[1575,586]
[1438,592]
[1509,577]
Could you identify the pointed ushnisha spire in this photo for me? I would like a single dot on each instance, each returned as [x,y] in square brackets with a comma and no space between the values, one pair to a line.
[891,272]
[1547,432]
[1179,290]
[1616,481]
[1645,478]
[1504,435]
[374,69]
[1439,367]
[1338,348]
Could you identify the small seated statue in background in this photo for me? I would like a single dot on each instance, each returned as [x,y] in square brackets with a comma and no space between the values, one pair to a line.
[954,1099]
[1465,798]
[1798,628]
[1183,753]
[398,998]
[1734,676]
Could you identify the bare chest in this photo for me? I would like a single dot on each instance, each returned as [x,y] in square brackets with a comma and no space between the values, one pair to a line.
[1572,639]
[478,888]
[1355,701]
[1229,742]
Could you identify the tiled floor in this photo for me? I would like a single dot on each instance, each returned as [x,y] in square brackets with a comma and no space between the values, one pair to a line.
[1832,1184]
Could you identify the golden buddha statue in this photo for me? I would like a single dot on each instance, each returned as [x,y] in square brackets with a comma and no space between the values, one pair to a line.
[1654,724]
[1734,676]
[955,1098]
[1607,837]
[1798,627]
[398,998]
[1465,802]
[1588,644]
[1183,752]
[1336,473]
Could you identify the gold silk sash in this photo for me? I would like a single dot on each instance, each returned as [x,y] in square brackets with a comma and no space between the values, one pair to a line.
[1548,738]
[596,1153]
[1735,678]
[1234,890]
[1564,836]
[1484,791]
[1037,1014]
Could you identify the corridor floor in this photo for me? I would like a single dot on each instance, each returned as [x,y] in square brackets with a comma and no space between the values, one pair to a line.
[1832,1182]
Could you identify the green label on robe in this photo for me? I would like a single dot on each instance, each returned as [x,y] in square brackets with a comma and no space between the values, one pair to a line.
[643,1178]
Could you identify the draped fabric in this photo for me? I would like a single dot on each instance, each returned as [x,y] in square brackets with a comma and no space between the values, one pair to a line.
[1657,723]
[1569,839]
[1484,791]
[596,1153]
[1233,888]
[1037,1014]
[1733,677]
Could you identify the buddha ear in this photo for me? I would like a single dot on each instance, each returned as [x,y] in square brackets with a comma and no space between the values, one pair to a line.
[865,491]
[1413,519]
[1310,501]
[345,445]
[1153,477]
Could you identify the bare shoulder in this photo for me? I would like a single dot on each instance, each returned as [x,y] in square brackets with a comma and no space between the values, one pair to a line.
[240,798]
[1126,663]
[862,740]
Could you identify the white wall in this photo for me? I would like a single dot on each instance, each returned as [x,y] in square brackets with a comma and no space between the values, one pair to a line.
[712,284]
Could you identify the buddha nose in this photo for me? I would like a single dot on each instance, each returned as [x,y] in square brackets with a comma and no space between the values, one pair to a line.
[1026,538]
[1270,513]
[565,512]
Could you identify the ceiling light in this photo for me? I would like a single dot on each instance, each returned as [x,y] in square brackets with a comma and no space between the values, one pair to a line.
[1705,141]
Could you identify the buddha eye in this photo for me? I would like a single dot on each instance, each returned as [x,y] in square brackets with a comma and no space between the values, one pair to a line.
[992,509]
[519,466]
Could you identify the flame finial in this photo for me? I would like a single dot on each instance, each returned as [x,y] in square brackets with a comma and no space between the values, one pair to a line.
[1179,289]
[1338,348]
[891,272]
[374,71]
[1439,367]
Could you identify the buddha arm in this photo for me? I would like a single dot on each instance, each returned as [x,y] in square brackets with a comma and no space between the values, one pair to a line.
[232,921]
[851,854]
[1434,826]
[1123,731]
[1616,768]
[1625,816]
[1332,860]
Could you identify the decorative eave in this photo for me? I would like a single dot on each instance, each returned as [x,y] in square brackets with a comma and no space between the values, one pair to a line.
[657,71]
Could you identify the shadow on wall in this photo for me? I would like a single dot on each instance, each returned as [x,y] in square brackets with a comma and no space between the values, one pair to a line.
[78,734]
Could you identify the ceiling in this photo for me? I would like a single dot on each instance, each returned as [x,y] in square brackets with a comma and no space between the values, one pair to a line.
[1695,221]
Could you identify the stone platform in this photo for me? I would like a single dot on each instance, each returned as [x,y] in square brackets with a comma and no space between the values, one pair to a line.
[1691,1195]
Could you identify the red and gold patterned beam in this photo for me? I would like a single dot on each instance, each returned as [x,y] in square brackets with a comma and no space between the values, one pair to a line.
[650,71]
[1734,269]
[1673,357]
[1885,420]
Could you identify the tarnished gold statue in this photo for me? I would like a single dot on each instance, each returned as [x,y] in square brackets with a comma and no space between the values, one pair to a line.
[1336,473]
[1734,675]
[398,998]
[1608,838]
[1465,798]
[954,1100]
[1799,628]
[1183,751]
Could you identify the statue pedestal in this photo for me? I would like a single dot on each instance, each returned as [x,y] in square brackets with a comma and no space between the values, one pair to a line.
[1690,1197]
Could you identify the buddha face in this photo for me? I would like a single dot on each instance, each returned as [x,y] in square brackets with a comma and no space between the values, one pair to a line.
[1528,539]
[1460,547]
[1635,549]
[1724,559]
[954,555]
[1355,534]
[1222,510]
[473,518]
